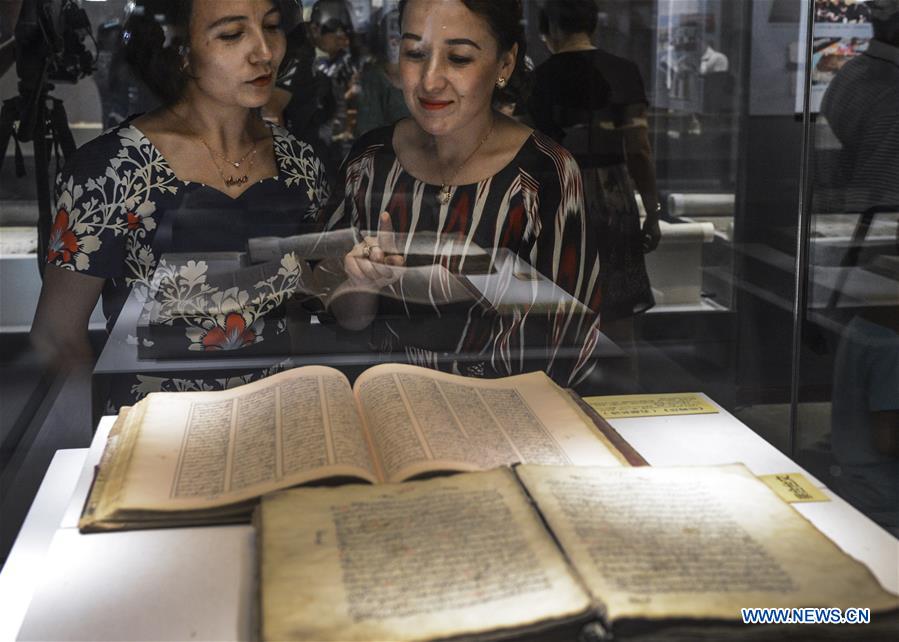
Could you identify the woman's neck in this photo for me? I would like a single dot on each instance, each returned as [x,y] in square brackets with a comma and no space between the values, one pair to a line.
[575,42]
[457,148]
[228,129]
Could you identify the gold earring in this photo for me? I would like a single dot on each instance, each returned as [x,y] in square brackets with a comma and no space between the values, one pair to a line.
[183,51]
[501,82]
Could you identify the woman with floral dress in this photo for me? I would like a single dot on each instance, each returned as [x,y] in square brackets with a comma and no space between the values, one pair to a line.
[203,173]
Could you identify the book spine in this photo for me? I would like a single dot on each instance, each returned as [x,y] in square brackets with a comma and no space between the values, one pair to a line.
[630,455]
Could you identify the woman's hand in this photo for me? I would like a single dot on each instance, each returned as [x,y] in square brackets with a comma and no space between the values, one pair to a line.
[372,262]
[371,266]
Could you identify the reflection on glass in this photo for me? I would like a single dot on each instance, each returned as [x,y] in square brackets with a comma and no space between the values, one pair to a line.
[719,102]
[594,103]
[855,255]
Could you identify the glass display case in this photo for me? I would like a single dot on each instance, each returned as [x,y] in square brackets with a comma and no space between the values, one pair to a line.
[772,127]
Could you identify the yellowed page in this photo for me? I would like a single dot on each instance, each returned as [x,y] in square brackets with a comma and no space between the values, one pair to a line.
[794,488]
[110,491]
[199,450]
[422,420]
[694,543]
[100,485]
[412,561]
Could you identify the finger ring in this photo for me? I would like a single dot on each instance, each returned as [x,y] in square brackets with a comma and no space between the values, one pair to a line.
[366,251]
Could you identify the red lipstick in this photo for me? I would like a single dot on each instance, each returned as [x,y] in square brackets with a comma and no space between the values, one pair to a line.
[434,105]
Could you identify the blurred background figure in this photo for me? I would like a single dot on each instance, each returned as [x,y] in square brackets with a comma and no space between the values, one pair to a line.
[594,103]
[331,33]
[381,96]
[121,43]
[318,82]
[862,177]
[862,108]
[301,101]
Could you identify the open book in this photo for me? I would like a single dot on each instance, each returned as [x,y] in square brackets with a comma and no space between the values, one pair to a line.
[642,553]
[205,457]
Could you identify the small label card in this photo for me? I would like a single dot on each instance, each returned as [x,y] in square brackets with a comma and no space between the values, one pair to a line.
[794,488]
[626,406]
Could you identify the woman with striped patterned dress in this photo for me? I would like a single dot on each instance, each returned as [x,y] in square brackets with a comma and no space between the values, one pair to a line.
[462,171]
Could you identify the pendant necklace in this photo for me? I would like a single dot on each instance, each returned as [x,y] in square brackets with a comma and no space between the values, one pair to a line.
[445,193]
[232,181]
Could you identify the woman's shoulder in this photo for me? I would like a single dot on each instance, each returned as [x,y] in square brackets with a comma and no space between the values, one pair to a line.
[118,142]
[546,153]
[378,140]
[378,137]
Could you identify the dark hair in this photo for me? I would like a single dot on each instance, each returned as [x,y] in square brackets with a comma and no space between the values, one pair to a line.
[331,13]
[570,16]
[159,64]
[504,17]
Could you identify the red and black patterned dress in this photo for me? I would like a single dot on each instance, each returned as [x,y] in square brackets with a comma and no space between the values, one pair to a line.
[534,207]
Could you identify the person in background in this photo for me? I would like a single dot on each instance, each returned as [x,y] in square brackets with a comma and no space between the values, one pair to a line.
[122,93]
[461,169]
[205,150]
[594,104]
[331,32]
[317,81]
[381,96]
[300,102]
[861,106]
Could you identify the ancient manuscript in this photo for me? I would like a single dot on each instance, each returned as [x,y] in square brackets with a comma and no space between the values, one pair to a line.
[199,457]
[651,551]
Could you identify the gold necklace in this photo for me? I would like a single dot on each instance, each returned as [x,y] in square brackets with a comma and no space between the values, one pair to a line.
[230,181]
[237,163]
[445,193]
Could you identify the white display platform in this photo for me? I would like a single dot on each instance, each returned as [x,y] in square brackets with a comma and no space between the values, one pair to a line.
[24,565]
[198,583]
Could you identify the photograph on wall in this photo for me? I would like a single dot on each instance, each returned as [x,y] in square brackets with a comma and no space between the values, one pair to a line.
[842,31]
[685,52]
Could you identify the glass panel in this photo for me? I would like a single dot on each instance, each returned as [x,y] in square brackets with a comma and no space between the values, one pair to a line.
[848,416]
[712,87]
[726,137]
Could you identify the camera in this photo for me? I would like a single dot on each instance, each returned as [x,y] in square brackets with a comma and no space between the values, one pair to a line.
[50,45]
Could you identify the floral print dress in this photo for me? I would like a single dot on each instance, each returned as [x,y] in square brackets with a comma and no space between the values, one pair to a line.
[120,207]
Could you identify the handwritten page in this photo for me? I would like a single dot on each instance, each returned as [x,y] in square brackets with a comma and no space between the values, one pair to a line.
[693,543]
[663,405]
[420,420]
[199,450]
[412,561]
